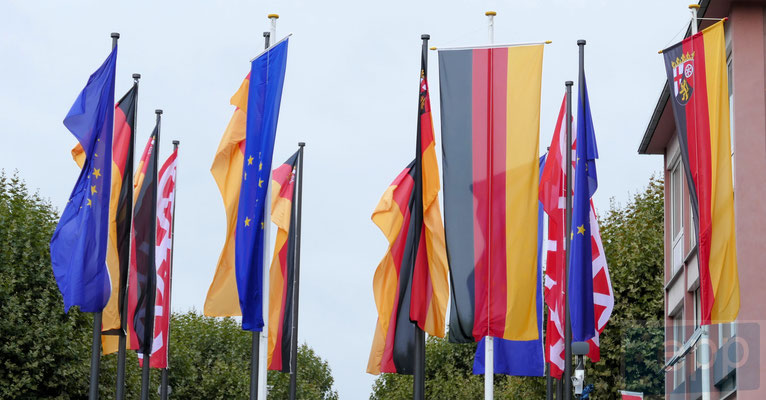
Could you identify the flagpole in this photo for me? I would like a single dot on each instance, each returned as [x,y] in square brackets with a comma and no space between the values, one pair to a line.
[95,348]
[122,338]
[567,378]
[149,323]
[419,359]
[164,381]
[704,338]
[489,341]
[297,209]
[258,367]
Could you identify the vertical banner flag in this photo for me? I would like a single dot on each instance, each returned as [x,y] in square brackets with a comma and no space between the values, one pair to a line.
[490,110]
[143,283]
[552,197]
[166,198]
[580,285]
[120,207]
[222,297]
[698,79]
[267,77]
[79,243]
[520,358]
[282,273]
[410,283]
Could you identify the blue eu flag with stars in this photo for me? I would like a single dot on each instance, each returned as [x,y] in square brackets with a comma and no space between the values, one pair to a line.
[78,245]
[267,76]
[580,285]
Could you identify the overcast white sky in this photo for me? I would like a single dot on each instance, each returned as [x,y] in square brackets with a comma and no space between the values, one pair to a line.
[350,94]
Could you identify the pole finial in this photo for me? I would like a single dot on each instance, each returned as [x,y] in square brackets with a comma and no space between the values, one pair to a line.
[136,76]
[176,143]
[697,6]
[548,41]
[568,83]
[158,111]
[115,35]
[432,48]
[266,34]
[273,16]
[301,144]
[490,13]
[581,42]
[425,36]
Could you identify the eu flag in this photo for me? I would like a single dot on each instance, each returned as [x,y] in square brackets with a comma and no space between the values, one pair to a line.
[78,245]
[267,76]
[580,285]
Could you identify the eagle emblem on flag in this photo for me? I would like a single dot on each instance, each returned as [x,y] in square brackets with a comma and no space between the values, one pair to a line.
[683,70]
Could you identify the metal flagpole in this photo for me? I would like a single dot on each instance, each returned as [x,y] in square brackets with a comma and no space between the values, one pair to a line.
[567,378]
[255,350]
[95,348]
[419,373]
[164,382]
[145,371]
[704,342]
[122,338]
[489,341]
[297,209]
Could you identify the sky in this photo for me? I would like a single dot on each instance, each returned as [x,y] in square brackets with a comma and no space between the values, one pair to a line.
[350,93]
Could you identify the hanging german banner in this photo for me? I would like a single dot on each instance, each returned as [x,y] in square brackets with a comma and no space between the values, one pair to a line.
[490,110]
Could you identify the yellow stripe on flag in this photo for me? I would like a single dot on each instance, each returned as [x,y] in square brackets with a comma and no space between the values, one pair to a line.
[525,65]
[222,297]
[723,243]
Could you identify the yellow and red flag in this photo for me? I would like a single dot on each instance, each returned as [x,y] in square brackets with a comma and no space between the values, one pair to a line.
[410,283]
[222,297]
[697,75]
[281,275]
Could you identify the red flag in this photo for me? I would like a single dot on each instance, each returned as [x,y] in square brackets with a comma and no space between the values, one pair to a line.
[631,395]
[552,196]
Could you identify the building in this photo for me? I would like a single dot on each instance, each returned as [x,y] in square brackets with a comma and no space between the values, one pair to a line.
[738,350]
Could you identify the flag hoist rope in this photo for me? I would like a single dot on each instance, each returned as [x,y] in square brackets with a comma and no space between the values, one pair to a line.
[489,342]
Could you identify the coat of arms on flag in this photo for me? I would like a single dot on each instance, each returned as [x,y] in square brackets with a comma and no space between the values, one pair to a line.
[683,69]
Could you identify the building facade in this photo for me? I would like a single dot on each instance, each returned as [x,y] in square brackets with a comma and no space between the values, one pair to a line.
[737,366]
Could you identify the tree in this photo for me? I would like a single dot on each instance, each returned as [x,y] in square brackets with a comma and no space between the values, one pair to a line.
[632,343]
[449,375]
[45,353]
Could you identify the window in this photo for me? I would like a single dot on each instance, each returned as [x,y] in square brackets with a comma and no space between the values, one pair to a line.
[678,342]
[676,211]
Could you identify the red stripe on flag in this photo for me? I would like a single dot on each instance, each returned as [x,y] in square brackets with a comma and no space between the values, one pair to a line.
[698,132]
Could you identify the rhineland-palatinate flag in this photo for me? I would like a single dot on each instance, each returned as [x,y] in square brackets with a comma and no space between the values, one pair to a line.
[143,283]
[79,243]
[410,283]
[699,90]
[242,168]
[166,199]
[282,273]
[490,113]
[553,199]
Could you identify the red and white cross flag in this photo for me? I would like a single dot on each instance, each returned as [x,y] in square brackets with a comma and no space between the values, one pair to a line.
[552,196]
[166,193]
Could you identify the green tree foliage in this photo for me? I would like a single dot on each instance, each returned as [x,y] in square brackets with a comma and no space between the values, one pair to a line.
[45,353]
[449,376]
[632,343]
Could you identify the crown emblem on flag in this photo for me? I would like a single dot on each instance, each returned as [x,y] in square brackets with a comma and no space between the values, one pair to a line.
[683,70]
[683,59]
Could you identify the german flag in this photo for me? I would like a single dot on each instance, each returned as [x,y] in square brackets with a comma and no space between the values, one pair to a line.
[490,110]
[697,75]
[120,207]
[222,296]
[410,283]
[282,273]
